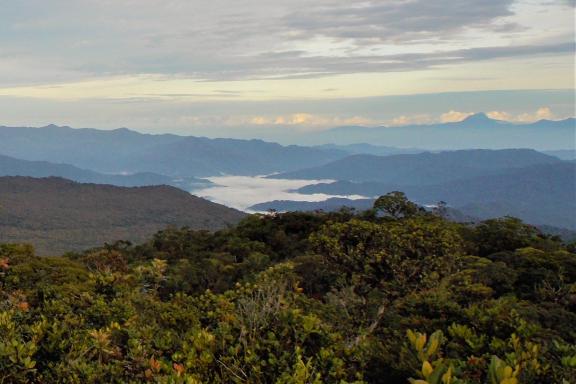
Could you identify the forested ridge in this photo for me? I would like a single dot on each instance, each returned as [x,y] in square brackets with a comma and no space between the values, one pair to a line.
[395,294]
[58,215]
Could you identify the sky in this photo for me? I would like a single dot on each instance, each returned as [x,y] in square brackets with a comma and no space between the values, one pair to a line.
[261,68]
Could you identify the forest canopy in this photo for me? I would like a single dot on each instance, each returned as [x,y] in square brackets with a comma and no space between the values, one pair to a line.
[395,294]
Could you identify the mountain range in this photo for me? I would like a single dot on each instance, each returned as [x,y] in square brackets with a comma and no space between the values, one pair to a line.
[15,167]
[540,194]
[422,169]
[539,188]
[126,151]
[57,215]
[477,131]
[535,186]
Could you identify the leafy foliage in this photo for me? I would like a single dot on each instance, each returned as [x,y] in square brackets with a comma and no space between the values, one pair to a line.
[297,298]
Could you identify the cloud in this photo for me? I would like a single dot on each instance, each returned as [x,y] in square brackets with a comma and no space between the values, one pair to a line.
[307,121]
[454,116]
[543,113]
[59,41]
[411,120]
[403,21]
[569,3]
[255,118]
[296,122]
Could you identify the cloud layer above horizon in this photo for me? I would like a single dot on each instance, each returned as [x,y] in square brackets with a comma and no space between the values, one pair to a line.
[176,54]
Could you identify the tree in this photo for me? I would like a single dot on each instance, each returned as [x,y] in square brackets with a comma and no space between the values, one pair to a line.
[503,234]
[390,260]
[396,205]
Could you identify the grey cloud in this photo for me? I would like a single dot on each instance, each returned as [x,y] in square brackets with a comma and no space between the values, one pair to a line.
[60,40]
[569,3]
[403,20]
[297,66]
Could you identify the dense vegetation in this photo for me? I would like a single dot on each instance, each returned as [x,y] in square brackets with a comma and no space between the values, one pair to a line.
[57,215]
[391,295]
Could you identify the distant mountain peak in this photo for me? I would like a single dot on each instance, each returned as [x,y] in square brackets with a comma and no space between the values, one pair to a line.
[55,127]
[479,117]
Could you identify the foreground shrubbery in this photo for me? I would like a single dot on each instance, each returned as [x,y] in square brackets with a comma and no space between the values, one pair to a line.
[387,296]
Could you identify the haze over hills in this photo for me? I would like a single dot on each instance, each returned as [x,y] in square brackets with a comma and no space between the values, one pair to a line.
[538,188]
[543,194]
[370,149]
[479,182]
[563,154]
[424,168]
[58,215]
[14,167]
[123,150]
[477,131]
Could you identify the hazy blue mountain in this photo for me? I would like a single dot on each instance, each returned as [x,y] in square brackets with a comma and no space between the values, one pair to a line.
[542,194]
[542,181]
[369,149]
[15,167]
[85,148]
[122,150]
[567,235]
[477,131]
[207,157]
[347,188]
[422,169]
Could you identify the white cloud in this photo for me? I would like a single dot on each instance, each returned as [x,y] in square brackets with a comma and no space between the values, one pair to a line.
[454,116]
[241,192]
[543,113]
[411,120]
[301,121]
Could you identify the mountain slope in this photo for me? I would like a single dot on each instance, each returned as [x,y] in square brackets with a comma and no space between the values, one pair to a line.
[206,157]
[122,150]
[15,167]
[85,148]
[422,169]
[58,215]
